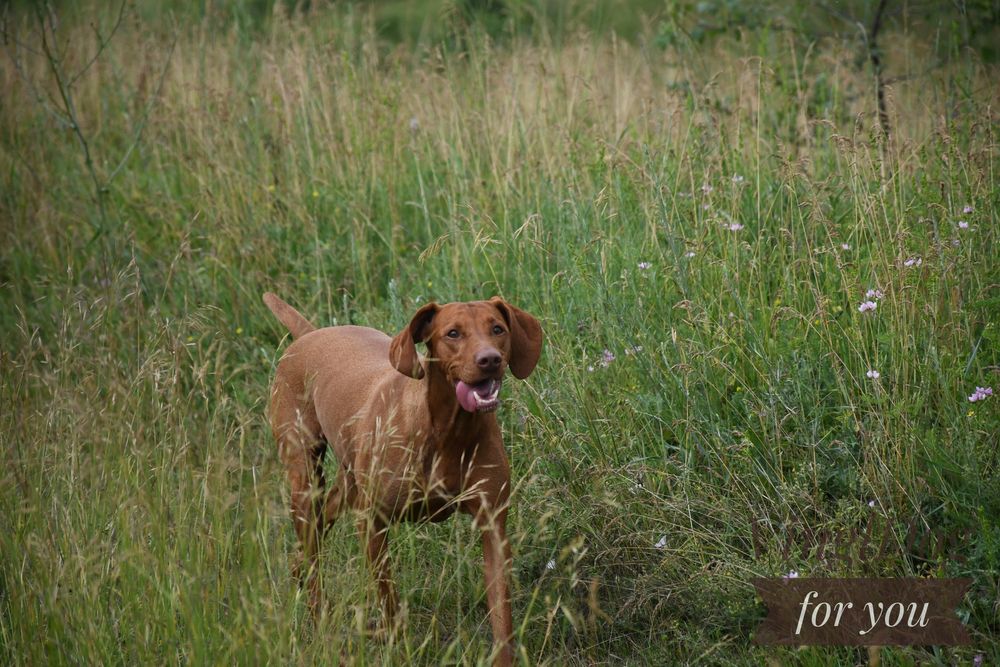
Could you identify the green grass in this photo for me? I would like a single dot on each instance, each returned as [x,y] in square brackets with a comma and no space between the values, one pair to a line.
[143,509]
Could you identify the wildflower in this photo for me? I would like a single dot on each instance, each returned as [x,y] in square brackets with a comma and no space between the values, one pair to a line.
[315,194]
[734,226]
[791,575]
[551,565]
[706,188]
[955,242]
[845,246]
[977,660]
[662,542]
[737,178]
[689,254]
[981,394]
[590,369]
[239,330]
[867,306]
[606,358]
[633,350]
[414,124]
[874,294]
[706,206]
[962,224]
[968,209]
[644,265]
[913,261]
[873,374]
[871,503]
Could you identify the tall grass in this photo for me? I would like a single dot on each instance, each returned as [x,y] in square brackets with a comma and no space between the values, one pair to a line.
[695,228]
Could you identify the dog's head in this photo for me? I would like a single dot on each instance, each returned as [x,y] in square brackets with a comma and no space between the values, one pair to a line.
[473,344]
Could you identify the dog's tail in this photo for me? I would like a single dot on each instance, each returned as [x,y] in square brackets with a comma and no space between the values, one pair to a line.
[291,318]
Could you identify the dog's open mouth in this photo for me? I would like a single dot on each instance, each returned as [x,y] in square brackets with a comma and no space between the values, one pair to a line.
[480,397]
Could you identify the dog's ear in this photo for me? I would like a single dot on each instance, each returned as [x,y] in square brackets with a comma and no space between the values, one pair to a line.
[525,338]
[403,350]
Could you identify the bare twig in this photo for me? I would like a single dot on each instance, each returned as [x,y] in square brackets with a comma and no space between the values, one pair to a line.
[102,43]
[876,57]
[46,19]
[145,113]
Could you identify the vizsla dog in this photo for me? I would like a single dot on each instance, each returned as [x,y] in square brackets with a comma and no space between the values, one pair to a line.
[415,437]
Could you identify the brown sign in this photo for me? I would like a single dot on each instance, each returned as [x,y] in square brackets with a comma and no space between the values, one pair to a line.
[862,612]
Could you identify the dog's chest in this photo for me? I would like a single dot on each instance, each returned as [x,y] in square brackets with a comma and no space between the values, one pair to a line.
[414,482]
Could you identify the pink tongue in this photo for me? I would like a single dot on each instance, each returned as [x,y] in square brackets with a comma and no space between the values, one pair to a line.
[463,393]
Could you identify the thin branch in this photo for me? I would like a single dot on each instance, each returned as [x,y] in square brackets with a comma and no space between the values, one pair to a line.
[102,43]
[70,108]
[876,57]
[145,113]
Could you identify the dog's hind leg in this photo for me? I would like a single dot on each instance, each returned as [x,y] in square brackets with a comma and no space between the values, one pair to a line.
[301,448]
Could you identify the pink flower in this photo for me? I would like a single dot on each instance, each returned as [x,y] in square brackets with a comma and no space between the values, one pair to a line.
[644,265]
[845,246]
[606,358]
[874,294]
[981,394]
[962,224]
[706,188]
[968,209]
[913,261]
[734,226]
[867,306]
[873,374]
[791,575]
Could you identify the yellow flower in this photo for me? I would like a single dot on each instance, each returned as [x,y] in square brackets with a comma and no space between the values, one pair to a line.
[270,188]
[315,194]
[239,330]
[970,413]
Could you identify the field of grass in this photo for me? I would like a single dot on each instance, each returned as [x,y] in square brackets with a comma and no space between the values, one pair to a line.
[695,224]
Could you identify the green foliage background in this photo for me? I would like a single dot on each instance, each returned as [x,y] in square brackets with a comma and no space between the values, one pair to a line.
[699,190]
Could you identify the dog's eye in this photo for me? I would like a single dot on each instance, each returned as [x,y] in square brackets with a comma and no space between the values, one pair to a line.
[453,333]
[497,329]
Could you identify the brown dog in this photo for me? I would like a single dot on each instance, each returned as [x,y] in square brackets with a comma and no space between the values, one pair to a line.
[415,438]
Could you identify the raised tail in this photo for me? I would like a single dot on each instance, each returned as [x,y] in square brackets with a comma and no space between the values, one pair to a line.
[291,318]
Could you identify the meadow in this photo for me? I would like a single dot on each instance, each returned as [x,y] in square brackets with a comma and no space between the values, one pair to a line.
[759,309]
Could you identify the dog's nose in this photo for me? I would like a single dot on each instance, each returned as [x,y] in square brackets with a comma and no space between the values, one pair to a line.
[488,360]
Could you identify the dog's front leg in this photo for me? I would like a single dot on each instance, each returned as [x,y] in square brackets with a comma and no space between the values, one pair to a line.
[374,536]
[496,567]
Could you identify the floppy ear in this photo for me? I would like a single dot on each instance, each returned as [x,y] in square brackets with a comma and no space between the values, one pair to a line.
[525,338]
[403,350]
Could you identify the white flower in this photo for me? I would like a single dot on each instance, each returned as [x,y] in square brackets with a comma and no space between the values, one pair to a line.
[414,124]
[792,575]
[644,265]
[737,178]
[706,188]
[871,503]
[873,374]
[845,246]
[551,565]
[662,542]
[689,253]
